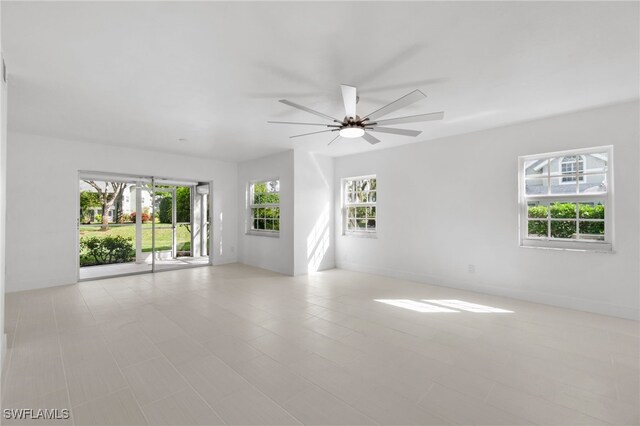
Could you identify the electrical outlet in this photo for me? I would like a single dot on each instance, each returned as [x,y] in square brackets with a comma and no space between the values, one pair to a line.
[471,268]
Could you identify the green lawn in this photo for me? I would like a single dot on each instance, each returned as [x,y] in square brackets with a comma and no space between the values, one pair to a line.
[128,230]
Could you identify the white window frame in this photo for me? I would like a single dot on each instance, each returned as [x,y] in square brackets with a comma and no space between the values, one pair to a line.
[346,205]
[251,206]
[606,197]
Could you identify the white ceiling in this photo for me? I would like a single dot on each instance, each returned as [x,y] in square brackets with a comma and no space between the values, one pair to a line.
[148,73]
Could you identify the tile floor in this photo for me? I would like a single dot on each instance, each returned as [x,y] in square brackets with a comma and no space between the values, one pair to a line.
[239,345]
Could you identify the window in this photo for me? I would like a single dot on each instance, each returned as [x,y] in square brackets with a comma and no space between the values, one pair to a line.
[572,168]
[566,200]
[359,209]
[264,207]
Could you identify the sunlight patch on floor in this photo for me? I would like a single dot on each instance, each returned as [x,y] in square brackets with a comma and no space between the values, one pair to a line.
[414,306]
[442,305]
[469,307]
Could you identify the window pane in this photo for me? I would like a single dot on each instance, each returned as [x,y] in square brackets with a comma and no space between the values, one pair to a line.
[372,197]
[538,228]
[597,162]
[563,210]
[371,224]
[537,186]
[266,192]
[536,167]
[591,211]
[351,197]
[351,224]
[372,212]
[538,211]
[591,230]
[564,185]
[563,228]
[593,183]
[373,184]
[362,224]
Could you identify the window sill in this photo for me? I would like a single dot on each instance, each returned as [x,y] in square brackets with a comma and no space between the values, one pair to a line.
[584,246]
[360,234]
[263,234]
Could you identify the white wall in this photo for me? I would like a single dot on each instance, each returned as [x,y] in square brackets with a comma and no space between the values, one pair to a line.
[448,203]
[3,200]
[314,224]
[268,252]
[42,193]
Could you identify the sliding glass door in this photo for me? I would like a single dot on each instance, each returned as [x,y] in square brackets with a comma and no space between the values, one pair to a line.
[109,226]
[133,224]
[181,230]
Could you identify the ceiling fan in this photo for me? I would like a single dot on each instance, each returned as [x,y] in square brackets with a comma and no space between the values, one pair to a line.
[353,126]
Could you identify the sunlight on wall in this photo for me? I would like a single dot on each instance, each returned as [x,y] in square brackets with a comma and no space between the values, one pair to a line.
[220,230]
[414,306]
[318,241]
[444,306]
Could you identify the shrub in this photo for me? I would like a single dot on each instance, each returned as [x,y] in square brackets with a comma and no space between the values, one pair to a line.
[105,250]
[98,218]
[145,217]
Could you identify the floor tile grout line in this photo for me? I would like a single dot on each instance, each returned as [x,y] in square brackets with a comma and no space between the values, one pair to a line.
[64,370]
[6,368]
[243,378]
[295,373]
[464,369]
[435,380]
[553,403]
[162,355]
[114,360]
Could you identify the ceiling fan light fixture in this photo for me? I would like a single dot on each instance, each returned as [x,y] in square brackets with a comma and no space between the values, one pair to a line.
[351,132]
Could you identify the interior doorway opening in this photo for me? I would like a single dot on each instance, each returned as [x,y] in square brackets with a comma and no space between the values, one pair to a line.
[133,224]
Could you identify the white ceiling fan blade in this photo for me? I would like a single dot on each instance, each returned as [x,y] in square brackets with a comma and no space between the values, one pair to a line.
[313,133]
[334,139]
[349,97]
[309,110]
[412,97]
[371,139]
[403,132]
[412,118]
[305,124]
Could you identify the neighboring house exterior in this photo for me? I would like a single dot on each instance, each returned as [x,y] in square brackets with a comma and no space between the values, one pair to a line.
[127,206]
[568,175]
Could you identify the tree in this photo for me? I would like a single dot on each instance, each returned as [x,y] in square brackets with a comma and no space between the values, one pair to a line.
[183,204]
[107,199]
[164,210]
[88,199]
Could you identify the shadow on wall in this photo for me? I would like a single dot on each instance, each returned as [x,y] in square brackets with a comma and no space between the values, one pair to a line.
[318,241]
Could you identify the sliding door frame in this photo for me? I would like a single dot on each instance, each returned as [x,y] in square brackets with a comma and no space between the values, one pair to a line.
[97,175]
